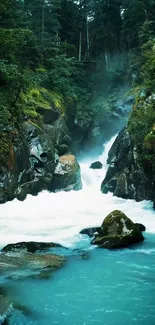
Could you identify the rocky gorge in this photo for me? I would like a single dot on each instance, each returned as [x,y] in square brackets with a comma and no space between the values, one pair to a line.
[38,154]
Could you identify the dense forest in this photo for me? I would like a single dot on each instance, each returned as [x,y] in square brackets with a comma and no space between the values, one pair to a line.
[76,56]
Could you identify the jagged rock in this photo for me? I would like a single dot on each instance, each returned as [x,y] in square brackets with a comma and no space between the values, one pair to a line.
[126,176]
[30,247]
[117,231]
[67,174]
[90,231]
[96,165]
[32,159]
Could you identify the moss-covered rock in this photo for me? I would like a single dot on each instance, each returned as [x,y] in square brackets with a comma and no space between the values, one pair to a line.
[117,231]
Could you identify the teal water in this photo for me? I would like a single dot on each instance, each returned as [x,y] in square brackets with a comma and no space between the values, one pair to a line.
[108,288]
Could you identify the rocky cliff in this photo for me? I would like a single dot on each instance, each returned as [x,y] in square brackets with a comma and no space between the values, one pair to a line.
[33,159]
[131,172]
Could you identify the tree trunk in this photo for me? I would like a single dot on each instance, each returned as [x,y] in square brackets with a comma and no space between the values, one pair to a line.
[42,29]
[80,46]
[88,41]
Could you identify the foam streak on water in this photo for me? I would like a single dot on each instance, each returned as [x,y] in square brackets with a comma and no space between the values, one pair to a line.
[59,216]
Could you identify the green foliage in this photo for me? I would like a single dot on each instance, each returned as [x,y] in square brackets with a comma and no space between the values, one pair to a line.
[4,148]
[141,122]
[147,71]
[149,141]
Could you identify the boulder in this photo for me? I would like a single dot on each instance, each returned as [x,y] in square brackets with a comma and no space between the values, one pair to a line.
[90,231]
[117,231]
[96,165]
[30,247]
[67,174]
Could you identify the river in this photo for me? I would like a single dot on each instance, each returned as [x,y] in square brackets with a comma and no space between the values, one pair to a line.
[108,288]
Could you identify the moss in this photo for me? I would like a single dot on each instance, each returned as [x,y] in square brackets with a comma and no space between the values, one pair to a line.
[141,128]
[149,141]
[36,125]
[31,113]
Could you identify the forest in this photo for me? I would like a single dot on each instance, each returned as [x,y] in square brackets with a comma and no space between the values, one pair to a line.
[66,51]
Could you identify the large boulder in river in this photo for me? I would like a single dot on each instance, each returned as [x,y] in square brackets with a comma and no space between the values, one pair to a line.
[67,174]
[117,231]
[96,165]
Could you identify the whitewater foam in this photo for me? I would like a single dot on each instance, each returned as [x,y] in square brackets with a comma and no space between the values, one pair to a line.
[60,216]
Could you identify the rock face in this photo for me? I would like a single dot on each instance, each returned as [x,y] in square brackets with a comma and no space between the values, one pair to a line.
[30,247]
[33,159]
[126,176]
[117,231]
[67,174]
[96,165]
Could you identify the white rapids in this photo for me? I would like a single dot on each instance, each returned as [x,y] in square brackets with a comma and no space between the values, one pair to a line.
[60,216]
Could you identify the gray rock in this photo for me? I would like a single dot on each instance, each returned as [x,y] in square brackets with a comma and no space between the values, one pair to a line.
[96,165]
[67,174]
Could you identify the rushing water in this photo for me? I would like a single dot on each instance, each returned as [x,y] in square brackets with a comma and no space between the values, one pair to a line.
[107,288]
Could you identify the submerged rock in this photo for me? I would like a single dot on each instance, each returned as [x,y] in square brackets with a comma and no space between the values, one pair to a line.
[30,247]
[117,231]
[90,231]
[96,165]
[67,174]
[21,264]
